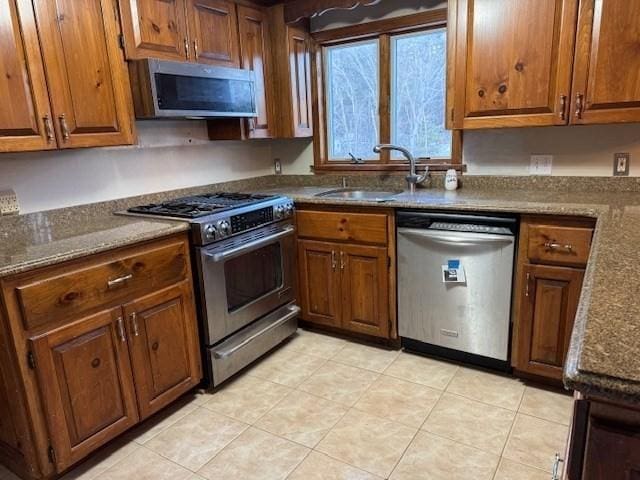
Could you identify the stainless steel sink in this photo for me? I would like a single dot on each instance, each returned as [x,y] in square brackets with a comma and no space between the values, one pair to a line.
[355,194]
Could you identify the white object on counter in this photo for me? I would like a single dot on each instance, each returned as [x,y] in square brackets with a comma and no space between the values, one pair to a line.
[451,180]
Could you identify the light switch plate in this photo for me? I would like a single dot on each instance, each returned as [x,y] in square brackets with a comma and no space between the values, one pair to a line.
[9,203]
[277,166]
[621,164]
[541,164]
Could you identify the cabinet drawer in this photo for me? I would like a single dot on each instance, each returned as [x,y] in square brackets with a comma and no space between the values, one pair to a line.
[559,245]
[352,227]
[612,451]
[65,292]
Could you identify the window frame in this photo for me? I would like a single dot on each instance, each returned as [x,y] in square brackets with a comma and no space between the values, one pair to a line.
[383,30]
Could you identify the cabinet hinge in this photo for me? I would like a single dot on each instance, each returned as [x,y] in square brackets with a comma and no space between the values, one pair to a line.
[31,360]
[52,454]
[121,41]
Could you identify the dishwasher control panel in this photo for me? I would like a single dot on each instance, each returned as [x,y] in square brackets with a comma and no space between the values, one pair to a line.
[470,227]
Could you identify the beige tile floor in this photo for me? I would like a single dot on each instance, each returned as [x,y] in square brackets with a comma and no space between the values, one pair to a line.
[322,407]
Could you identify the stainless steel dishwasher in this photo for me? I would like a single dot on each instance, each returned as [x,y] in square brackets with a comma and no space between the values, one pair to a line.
[462,314]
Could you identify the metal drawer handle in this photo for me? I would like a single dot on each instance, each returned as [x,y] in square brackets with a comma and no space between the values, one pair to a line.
[342,261]
[186,48]
[64,127]
[121,333]
[555,475]
[558,246]
[526,287]
[48,127]
[196,53]
[563,106]
[134,324]
[334,260]
[294,310]
[116,282]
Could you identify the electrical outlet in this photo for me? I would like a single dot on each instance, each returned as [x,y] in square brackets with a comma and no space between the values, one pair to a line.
[9,203]
[277,166]
[621,164]
[541,164]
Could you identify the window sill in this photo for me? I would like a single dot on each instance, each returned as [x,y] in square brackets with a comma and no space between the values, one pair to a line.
[378,168]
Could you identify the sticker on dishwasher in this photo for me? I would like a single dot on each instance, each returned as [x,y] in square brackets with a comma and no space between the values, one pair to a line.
[453,272]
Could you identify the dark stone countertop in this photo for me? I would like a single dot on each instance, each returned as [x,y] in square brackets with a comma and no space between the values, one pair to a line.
[604,357]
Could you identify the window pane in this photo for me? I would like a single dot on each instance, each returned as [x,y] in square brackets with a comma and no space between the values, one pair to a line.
[418,93]
[352,99]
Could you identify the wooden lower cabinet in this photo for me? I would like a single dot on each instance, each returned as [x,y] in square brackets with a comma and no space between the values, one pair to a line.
[320,282]
[81,379]
[164,346]
[343,283]
[85,380]
[547,311]
[552,256]
[365,287]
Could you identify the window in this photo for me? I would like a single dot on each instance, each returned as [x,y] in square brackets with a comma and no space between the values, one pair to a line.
[418,66]
[384,87]
[352,93]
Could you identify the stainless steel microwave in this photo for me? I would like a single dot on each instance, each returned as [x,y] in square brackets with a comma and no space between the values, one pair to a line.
[163,89]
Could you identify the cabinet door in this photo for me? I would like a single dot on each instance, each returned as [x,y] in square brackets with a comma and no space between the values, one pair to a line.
[548,302]
[513,62]
[86,72]
[254,50]
[319,282]
[86,384]
[365,289]
[25,117]
[155,28]
[612,451]
[213,29]
[300,72]
[164,346]
[606,79]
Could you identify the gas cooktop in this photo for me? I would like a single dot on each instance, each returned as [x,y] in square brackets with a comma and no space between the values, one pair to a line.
[200,205]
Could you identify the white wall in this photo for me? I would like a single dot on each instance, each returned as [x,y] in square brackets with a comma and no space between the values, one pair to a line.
[580,150]
[169,155]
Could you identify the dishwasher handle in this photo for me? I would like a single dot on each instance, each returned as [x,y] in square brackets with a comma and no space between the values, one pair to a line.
[438,236]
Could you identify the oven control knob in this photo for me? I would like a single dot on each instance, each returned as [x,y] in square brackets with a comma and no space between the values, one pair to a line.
[278,212]
[210,232]
[288,209]
[224,229]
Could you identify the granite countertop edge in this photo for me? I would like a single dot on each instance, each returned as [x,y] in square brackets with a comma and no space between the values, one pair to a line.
[576,377]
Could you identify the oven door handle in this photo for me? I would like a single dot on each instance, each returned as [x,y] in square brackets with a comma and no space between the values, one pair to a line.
[294,310]
[249,246]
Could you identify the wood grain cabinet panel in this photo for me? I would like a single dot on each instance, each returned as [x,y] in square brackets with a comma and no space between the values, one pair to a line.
[86,383]
[606,79]
[513,62]
[86,72]
[254,46]
[319,282]
[612,451]
[549,303]
[213,30]
[365,287]
[300,72]
[155,28]
[164,346]
[25,116]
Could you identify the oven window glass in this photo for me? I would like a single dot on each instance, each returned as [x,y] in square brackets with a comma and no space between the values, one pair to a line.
[178,92]
[253,275]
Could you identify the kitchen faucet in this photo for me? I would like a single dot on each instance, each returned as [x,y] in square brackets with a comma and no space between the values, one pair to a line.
[413,178]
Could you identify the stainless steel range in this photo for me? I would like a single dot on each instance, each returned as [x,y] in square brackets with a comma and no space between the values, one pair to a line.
[244,252]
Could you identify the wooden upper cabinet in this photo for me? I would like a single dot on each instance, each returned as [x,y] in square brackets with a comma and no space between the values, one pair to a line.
[512,62]
[25,116]
[606,78]
[86,72]
[85,380]
[213,30]
[254,51]
[365,289]
[300,73]
[164,346]
[155,28]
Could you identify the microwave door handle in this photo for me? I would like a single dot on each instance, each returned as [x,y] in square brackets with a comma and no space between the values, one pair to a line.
[249,246]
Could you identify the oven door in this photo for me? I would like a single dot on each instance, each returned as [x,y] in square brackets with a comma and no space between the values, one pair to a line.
[245,278]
